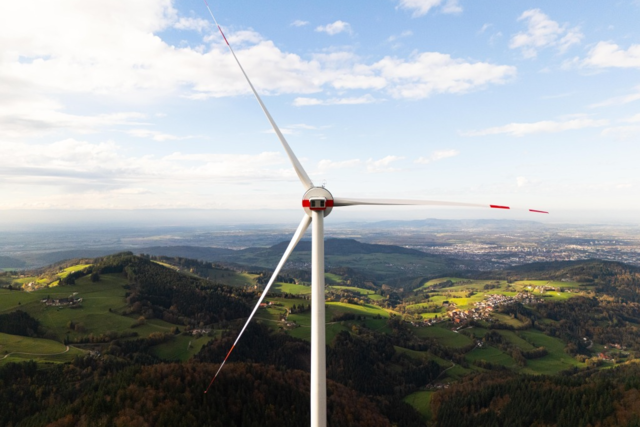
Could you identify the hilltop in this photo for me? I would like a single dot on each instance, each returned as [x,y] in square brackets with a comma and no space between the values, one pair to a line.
[377,261]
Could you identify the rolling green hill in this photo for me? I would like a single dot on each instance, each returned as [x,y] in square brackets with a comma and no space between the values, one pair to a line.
[136,311]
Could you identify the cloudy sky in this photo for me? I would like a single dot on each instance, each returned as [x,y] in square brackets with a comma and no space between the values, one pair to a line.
[138,105]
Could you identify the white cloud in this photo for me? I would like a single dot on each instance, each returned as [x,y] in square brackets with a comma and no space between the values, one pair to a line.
[334,28]
[109,51]
[35,116]
[406,33]
[610,55]
[619,100]
[299,23]
[437,155]
[548,126]
[422,7]
[542,32]
[81,159]
[324,165]
[382,165]
[305,102]
[432,72]
[293,129]
[632,119]
[77,174]
[622,132]
[194,24]
[484,28]
[157,135]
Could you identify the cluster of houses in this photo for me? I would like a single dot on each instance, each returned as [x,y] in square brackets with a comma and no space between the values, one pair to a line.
[62,302]
[483,309]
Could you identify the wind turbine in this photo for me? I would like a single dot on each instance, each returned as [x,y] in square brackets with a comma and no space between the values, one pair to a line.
[317,203]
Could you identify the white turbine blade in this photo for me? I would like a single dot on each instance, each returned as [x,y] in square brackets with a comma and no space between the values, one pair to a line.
[342,201]
[304,224]
[304,178]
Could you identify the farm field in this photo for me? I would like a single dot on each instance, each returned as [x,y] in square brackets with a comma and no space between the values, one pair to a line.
[332,279]
[557,360]
[443,335]
[492,355]
[424,355]
[232,278]
[421,400]
[291,288]
[181,347]
[98,313]
[13,347]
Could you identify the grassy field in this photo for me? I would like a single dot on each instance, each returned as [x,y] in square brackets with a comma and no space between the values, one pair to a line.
[424,355]
[555,284]
[64,273]
[458,372]
[443,335]
[516,340]
[557,360]
[331,330]
[181,347]
[291,288]
[332,279]
[492,355]
[507,320]
[363,310]
[477,332]
[421,401]
[232,278]
[94,314]
[364,292]
[13,349]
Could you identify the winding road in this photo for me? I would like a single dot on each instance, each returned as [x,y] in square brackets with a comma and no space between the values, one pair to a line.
[36,354]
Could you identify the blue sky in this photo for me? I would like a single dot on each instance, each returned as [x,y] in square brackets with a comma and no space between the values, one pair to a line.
[125,105]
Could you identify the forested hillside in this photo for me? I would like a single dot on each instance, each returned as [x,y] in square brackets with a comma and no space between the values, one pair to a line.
[135,340]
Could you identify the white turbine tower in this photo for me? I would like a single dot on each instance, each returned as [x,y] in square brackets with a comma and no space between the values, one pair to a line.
[317,203]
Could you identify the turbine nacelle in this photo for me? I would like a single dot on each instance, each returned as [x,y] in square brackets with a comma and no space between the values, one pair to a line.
[317,199]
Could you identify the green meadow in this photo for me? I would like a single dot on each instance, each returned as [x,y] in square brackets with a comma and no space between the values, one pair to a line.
[291,288]
[99,312]
[421,401]
[557,360]
[492,355]
[424,355]
[444,336]
[14,348]
[180,347]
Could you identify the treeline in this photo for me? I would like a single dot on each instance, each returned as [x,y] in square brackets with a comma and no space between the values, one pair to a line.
[106,391]
[596,398]
[365,362]
[19,323]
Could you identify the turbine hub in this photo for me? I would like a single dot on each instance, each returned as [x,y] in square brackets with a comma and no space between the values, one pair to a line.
[317,199]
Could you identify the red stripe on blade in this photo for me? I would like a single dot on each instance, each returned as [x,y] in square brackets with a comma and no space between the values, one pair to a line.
[499,207]
[537,211]
[225,39]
